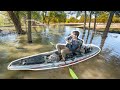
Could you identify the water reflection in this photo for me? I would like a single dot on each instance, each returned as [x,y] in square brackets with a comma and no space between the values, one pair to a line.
[92,37]
[42,36]
[56,34]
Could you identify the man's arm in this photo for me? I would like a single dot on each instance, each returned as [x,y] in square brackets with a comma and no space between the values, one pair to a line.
[68,38]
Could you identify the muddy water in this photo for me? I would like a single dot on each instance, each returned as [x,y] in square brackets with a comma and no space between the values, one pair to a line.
[106,65]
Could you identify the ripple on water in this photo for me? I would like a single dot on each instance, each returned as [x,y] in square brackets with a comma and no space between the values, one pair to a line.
[13,46]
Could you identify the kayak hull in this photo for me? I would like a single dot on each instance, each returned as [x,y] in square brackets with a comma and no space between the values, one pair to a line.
[37,62]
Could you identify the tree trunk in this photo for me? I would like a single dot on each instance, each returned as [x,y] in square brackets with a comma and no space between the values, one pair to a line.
[29,27]
[94,28]
[89,26]
[17,15]
[44,15]
[48,21]
[84,25]
[25,23]
[34,27]
[108,24]
[16,22]
[102,42]
[95,23]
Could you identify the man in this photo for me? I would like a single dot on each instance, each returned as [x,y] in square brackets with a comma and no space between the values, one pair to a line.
[72,44]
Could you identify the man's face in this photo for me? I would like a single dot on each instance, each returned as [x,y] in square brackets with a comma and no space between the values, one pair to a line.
[73,35]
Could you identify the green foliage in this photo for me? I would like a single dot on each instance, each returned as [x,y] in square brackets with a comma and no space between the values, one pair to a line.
[116,19]
[1,20]
[82,19]
[36,15]
[103,17]
[78,13]
[5,19]
[56,17]
[72,20]
[67,21]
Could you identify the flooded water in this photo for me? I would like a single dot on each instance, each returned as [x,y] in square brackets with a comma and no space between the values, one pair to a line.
[106,65]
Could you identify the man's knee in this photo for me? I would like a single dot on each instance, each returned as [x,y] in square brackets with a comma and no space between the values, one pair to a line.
[60,46]
[63,51]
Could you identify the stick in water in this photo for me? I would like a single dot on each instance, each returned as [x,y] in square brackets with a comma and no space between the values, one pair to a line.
[52,44]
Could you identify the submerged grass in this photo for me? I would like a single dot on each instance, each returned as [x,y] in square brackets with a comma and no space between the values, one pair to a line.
[95,68]
[27,49]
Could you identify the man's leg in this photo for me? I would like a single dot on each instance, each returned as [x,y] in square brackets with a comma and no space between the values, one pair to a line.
[59,47]
[64,52]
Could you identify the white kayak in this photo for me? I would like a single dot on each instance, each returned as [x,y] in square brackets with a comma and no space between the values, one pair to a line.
[39,61]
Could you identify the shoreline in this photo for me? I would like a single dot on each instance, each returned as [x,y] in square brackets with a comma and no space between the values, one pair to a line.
[100,27]
[114,28]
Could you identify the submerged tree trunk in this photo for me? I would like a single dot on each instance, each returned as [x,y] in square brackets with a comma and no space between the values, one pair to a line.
[108,24]
[34,27]
[84,25]
[29,27]
[102,42]
[16,22]
[89,27]
[94,28]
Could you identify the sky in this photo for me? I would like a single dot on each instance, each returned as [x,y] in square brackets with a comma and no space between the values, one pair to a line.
[74,15]
[68,16]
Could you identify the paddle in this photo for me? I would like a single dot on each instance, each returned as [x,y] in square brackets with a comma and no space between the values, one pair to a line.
[73,75]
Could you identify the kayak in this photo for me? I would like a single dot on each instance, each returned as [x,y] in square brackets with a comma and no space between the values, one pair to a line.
[43,61]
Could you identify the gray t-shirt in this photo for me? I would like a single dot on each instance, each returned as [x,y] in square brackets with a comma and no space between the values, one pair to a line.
[74,44]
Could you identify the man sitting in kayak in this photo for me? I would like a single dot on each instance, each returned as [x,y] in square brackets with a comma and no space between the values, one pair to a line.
[72,44]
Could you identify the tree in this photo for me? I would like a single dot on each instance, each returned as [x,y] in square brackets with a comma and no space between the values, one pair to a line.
[102,42]
[73,19]
[84,25]
[36,15]
[108,24]
[89,26]
[44,16]
[95,13]
[50,16]
[16,22]
[116,19]
[55,17]
[102,16]
[29,27]
[82,18]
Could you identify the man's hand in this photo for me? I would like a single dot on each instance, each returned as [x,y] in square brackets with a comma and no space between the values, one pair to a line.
[68,41]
